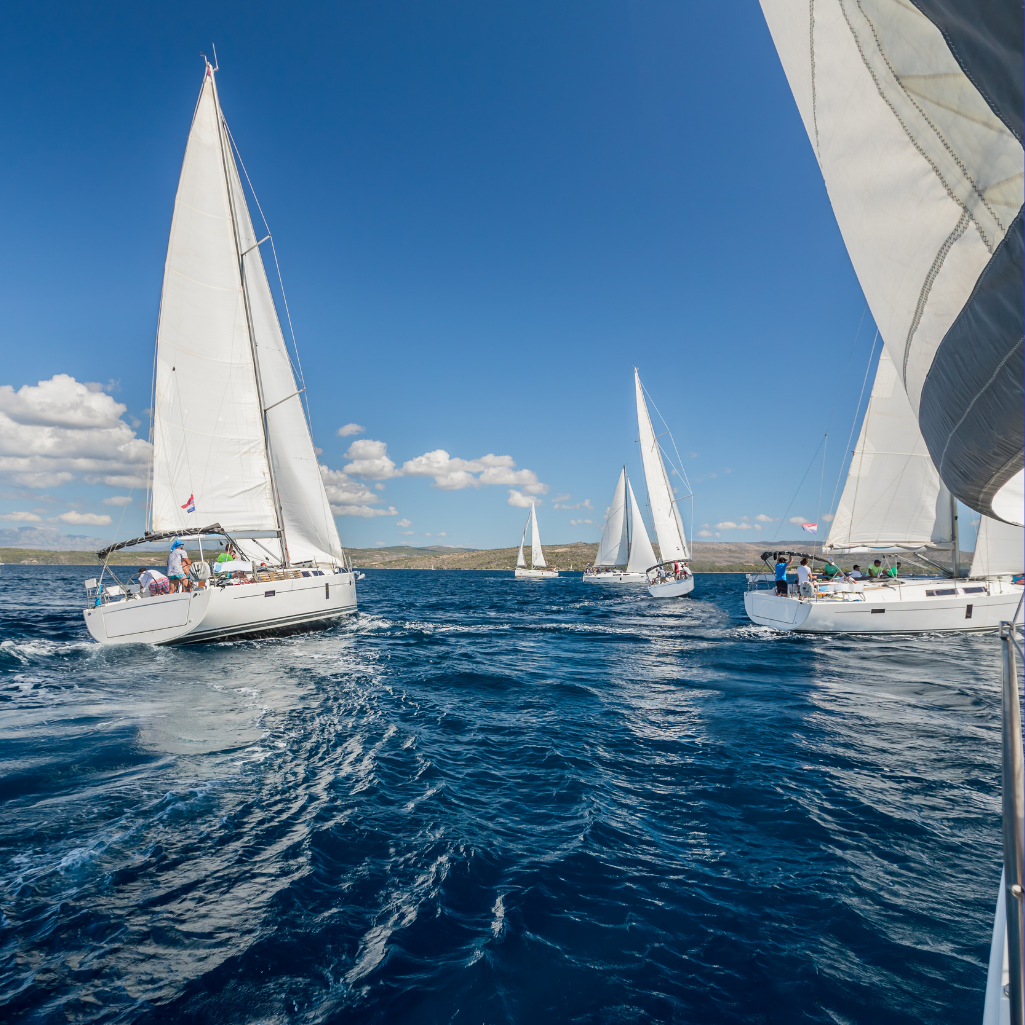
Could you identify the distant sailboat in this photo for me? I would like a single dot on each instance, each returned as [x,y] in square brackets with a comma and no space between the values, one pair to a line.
[894,502]
[538,568]
[672,577]
[625,553]
[229,431]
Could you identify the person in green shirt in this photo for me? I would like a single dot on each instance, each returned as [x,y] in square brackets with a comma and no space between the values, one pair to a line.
[829,571]
[875,570]
[893,571]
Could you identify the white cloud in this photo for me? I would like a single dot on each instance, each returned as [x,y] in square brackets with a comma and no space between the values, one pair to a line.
[404,523]
[370,460]
[119,500]
[349,497]
[798,519]
[762,518]
[21,517]
[452,474]
[379,487]
[349,429]
[576,523]
[409,532]
[585,504]
[427,534]
[58,430]
[85,519]
[705,533]
[520,500]
[827,517]
[561,498]
[730,525]
[443,534]
[380,542]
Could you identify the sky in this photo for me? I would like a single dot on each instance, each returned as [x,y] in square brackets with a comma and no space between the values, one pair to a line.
[486,215]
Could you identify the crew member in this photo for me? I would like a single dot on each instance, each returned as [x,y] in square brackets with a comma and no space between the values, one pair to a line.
[782,565]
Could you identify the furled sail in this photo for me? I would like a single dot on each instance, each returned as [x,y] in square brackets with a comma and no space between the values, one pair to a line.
[916,122]
[614,549]
[537,557]
[208,437]
[999,549]
[219,350]
[665,512]
[893,496]
[642,556]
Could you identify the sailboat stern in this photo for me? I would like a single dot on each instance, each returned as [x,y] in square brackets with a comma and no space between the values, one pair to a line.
[160,619]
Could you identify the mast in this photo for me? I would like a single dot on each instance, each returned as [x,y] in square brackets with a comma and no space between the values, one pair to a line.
[225,157]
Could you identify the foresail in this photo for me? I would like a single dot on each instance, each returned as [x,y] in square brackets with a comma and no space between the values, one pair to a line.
[537,556]
[614,547]
[999,549]
[642,556]
[310,529]
[893,495]
[665,512]
[208,438]
[521,562]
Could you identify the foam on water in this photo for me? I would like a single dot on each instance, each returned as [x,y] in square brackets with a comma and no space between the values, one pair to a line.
[493,800]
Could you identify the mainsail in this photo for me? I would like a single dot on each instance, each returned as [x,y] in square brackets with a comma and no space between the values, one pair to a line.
[893,496]
[916,122]
[614,549]
[665,513]
[228,421]
[999,549]
[537,557]
[642,556]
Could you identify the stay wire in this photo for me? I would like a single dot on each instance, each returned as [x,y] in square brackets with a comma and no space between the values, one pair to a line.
[799,486]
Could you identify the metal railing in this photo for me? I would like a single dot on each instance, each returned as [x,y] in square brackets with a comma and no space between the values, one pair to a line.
[1014,825]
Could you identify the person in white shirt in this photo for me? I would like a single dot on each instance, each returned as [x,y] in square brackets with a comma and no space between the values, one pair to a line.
[804,579]
[153,581]
[856,573]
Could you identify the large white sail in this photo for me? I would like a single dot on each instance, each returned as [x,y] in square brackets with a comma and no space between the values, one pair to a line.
[208,436]
[999,549]
[537,557]
[672,542]
[309,527]
[614,549]
[642,556]
[893,495]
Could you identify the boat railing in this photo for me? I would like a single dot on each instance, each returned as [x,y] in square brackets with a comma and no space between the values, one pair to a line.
[669,571]
[1013,782]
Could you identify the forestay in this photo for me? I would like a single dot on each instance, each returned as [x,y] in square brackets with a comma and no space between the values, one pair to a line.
[893,495]
[537,556]
[665,512]
[999,549]
[642,556]
[914,112]
[614,549]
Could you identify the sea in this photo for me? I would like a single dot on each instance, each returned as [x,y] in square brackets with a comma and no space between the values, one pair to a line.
[489,800]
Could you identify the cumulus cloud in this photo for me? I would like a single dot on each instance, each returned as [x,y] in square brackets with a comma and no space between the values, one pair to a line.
[705,533]
[85,519]
[827,517]
[404,523]
[561,498]
[350,429]
[443,534]
[21,517]
[408,531]
[348,497]
[58,430]
[762,518]
[370,460]
[730,525]
[118,500]
[585,504]
[576,523]
[520,500]
[452,473]
[798,519]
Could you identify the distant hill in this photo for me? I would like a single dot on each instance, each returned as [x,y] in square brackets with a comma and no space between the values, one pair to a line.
[49,540]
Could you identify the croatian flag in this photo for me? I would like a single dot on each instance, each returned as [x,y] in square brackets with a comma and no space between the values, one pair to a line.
[812,528]
[190,505]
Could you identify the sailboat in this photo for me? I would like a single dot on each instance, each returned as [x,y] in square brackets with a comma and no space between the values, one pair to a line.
[894,502]
[672,577]
[538,568]
[229,431]
[625,553]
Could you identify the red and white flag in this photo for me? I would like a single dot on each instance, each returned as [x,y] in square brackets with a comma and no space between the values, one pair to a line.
[190,505]
[812,528]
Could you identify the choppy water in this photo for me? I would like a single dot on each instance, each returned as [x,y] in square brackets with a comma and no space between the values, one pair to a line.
[489,800]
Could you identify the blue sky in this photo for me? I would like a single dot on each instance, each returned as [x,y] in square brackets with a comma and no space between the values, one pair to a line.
[486,215]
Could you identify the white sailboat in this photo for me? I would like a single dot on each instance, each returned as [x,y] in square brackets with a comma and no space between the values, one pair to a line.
[229,432]
[894,502]
[538,568]
[672,577]
[625,553]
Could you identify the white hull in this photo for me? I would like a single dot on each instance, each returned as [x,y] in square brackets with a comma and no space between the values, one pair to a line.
[223,613]
[615,578]
[536,574]
[891,608]
[672,588]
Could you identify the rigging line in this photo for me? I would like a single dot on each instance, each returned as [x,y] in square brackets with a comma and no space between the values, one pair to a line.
[792,500]
[868,367]
[679,469]
[181,414]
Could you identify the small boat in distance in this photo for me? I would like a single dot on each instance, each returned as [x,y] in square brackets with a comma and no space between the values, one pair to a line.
[538,568]
[672,577]
[625,553]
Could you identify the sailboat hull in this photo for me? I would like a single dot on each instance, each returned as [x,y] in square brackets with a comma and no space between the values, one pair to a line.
[226,613]
[891,608]
[535,574]
[672,588]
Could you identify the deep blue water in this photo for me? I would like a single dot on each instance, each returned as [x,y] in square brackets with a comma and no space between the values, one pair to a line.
[488,800]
